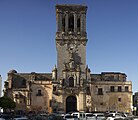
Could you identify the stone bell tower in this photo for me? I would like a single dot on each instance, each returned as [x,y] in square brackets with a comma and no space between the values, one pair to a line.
[71,38]
[71,71]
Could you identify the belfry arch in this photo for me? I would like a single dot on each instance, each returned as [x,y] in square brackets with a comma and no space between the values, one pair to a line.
[71,23]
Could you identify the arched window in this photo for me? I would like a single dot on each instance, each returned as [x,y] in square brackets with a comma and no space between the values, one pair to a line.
[78,24]
[23,82]
[71,82]
[39,93]
[63,82]
[71,23]
[63,23]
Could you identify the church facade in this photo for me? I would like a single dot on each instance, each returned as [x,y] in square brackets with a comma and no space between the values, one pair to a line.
[70,86]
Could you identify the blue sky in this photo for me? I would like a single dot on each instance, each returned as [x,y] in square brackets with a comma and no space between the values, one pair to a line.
[28,27]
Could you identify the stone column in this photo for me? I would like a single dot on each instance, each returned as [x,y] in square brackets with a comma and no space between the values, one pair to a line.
[78,77]
[64,75]
[82,101]
[10,77]
[75,22]
[66,22]
[81,23]
[28,99]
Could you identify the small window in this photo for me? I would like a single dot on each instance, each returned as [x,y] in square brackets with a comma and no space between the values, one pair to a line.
[63,82]
[54,88]
[39,93]
[119,99]
[50,103]
[126,89]
[100,91]
[16,96]
[88,90]
[24,82]
[71,82]
[112,88]
[101,103]
[119,89]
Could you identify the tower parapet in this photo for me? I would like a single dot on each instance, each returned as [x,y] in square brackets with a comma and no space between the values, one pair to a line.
[71,19]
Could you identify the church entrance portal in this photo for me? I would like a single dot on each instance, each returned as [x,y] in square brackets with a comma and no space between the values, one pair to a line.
[71,104]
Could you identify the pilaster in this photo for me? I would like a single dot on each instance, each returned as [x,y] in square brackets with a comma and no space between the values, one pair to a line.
[82,101]
[75,22]
[84,22]
[81,23]
[59,25]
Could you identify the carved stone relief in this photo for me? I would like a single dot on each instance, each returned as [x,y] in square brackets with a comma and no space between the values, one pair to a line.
[71,35]
[70,43]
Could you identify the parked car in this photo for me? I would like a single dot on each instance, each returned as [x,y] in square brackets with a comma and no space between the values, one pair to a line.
[5,117]
[80,115]
[21,118]
[52,117]
[71,117]
[131,118]
[90,116]
[38,117]
[115,116]
[99,116]
[61,115]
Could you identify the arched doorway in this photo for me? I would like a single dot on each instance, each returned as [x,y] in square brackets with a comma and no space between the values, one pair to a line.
[71,104]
